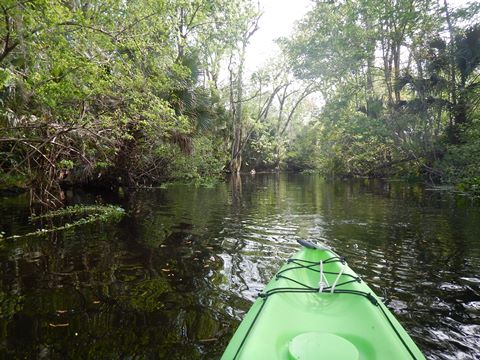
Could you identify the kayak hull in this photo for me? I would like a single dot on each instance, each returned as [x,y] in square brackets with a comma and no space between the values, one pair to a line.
[292,319]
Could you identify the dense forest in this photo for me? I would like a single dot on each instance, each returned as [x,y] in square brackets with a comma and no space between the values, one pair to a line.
[139,92]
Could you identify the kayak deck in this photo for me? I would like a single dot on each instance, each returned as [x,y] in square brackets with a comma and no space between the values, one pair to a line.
[293,319]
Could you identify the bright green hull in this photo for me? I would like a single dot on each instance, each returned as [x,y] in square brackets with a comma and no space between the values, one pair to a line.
[288,324]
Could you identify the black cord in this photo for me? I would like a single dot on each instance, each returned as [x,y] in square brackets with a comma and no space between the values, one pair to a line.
[396,332]
[250,328]
[312,266]
[355,279]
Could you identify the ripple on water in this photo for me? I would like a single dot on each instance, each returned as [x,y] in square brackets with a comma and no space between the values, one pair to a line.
[473,309]
[449,287]
[455,341]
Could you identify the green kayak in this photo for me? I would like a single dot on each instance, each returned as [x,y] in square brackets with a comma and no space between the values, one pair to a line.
[316,307]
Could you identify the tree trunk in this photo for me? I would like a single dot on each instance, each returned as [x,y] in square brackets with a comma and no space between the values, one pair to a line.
[236,100]
[237,107]
[387,70]
[396,71]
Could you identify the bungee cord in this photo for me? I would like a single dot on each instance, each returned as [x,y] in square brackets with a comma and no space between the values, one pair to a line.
[323,287]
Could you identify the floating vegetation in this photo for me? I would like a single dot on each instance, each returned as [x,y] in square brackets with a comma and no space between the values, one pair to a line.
[100,212]
[72,216]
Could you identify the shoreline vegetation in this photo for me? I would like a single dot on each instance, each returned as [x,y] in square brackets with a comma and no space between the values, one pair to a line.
[139,94]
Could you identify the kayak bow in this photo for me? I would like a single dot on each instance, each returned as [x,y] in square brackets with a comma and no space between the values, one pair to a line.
[316,307]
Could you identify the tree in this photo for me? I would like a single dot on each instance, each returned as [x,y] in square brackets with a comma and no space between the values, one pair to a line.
[393,110]
[236,73]
[112,91]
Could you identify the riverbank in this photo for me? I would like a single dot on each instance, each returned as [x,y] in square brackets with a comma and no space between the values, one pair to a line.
[15,185]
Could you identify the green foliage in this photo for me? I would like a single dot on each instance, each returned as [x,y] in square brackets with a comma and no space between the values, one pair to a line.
[100,212]
[205,164]
[129,92]
[329,44]
[65,164]
[261,150]
[467,55]
[303,153]
[470,185]
[73,216]
[384,116]
[95,92]
[10,304]
[461,163]
[8,181]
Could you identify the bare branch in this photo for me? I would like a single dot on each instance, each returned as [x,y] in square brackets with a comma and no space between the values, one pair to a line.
[73,23]
[308,90]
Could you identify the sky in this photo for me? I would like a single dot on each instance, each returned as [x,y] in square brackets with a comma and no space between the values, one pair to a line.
[277,20]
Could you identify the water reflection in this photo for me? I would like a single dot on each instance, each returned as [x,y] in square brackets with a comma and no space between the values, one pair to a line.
[175,277]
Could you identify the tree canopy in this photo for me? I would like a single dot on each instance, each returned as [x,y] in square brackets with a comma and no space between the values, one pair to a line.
[140,92]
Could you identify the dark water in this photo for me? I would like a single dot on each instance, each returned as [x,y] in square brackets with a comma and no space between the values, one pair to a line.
[173,279]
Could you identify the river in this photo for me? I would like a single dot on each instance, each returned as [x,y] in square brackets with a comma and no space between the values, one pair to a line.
[173,279]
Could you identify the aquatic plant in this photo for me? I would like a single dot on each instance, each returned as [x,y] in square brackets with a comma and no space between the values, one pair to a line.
[83,215]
